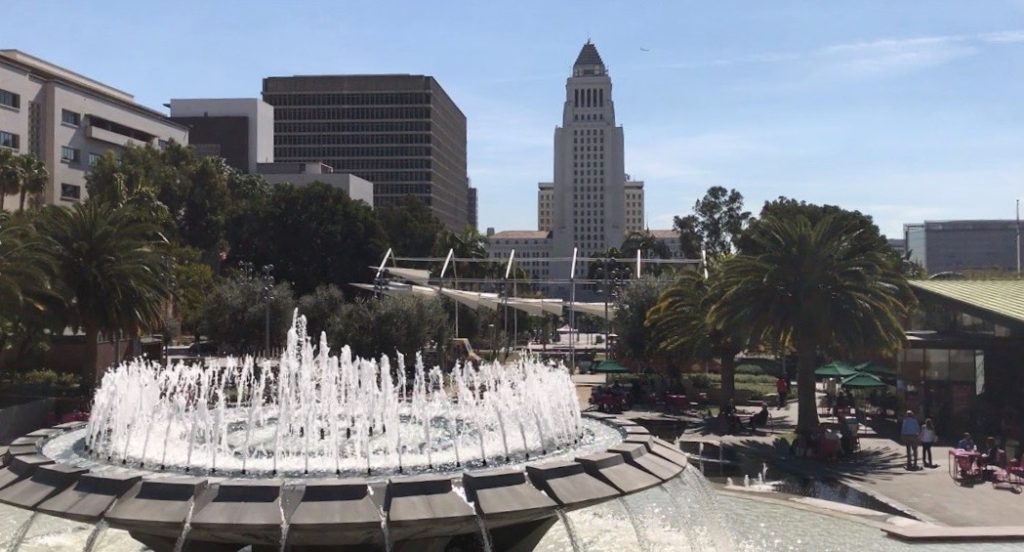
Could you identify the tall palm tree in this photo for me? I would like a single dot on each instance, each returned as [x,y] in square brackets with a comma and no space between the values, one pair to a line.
[34,177]
[816,286]
[109,261]
[680,325]
[10,174]
[26,266]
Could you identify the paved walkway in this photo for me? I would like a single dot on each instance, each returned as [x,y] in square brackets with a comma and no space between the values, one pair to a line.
[879,470]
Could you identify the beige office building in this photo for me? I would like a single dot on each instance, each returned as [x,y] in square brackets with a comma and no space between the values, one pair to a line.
[69,121]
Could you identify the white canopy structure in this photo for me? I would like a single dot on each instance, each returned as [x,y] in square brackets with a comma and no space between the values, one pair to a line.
[594,309]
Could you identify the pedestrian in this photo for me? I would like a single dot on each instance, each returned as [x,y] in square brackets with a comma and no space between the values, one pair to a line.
[927,437]
[782,387]
[909,432]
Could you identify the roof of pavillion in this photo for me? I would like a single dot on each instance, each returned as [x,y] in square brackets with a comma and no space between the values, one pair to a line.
[1003,299]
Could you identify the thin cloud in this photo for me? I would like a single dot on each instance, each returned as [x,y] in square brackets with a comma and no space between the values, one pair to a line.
[876,57]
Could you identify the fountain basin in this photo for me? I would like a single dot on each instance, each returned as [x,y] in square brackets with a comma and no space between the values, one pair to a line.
[515,504]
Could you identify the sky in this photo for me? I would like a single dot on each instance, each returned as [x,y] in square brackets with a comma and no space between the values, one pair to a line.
[906,111]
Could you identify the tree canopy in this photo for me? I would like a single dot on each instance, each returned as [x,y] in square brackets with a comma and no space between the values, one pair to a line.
[312,235]
[817,286]
[717,221]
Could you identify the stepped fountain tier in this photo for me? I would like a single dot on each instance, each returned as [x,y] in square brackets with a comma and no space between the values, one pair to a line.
[333,452]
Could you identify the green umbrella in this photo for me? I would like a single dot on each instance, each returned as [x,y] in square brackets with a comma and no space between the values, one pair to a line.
[610,367]
[876,369]
[862,381]
[835,369]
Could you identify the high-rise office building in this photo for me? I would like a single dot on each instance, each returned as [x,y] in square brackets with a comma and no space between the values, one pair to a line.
[68,121]
[401,132]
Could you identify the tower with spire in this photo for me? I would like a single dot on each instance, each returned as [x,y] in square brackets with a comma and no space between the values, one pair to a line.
[590,203]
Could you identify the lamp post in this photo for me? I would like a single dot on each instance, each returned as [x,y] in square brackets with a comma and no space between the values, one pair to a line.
[267,280]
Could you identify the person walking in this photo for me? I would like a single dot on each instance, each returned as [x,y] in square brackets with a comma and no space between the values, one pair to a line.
[782,387]
[910,431]
[927,437]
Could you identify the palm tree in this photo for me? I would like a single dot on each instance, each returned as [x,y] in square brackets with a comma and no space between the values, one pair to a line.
[468,244]
[10,174]
[822,285]
[108,259]
[680,325]
[34,177]
[26,266]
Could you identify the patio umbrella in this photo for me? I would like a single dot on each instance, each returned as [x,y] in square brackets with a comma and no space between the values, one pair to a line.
[876,369]
[862,381]
[610,367]
[835,369]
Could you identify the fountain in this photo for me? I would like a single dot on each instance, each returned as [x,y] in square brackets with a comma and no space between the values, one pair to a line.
[332,451]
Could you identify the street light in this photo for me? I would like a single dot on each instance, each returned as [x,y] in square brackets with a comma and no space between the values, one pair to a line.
[267,279]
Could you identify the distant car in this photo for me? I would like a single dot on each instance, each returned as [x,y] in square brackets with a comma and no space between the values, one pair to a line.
[203,348]
[949,275]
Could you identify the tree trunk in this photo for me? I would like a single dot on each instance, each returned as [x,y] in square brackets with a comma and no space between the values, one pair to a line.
[728,373]
[3,196]
[807,418]
[90,357]
[21,202]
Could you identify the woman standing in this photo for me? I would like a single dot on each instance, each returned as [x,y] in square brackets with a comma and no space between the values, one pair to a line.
[927,440]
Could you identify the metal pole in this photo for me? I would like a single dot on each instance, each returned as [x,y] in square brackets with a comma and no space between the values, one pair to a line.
[1018,238]
[606,291]
[572,310]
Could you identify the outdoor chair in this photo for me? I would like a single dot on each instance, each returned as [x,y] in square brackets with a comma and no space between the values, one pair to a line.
[1015,473]
[967,469]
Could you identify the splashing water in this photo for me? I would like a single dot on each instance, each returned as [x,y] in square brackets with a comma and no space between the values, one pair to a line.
[314,412]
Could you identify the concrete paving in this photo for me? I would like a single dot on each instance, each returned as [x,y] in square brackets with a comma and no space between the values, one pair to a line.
[878,469]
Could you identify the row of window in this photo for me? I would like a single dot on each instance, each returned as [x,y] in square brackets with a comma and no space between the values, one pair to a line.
[321,113]
[588,117]
[349,126]
[321,152]
[402,188]
[344,139]
[349,165]
[10,99]
[589,97]
[411,98]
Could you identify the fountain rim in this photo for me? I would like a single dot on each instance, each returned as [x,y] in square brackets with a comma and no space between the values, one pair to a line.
[639,462]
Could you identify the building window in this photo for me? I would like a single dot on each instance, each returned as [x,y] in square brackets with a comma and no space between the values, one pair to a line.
[10,99]
[70,155]
[70,192]
[8,140]
[94,158]
[70,117]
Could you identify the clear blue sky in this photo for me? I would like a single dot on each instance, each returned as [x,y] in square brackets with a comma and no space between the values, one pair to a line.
[904,110]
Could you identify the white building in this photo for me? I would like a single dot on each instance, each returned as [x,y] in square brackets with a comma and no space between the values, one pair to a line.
[68,121]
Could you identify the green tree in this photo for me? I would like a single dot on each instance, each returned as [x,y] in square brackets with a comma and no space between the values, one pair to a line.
[680,325]
[320,306]
[823,285]
[10,174]
[31,300]
[636,347]
[717,220]
[192,280]
[313,235]
[111,265]
[410,227]
[234,313]
[400,323]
